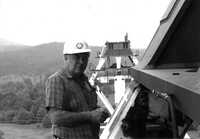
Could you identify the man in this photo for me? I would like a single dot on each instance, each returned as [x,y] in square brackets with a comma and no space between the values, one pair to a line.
[70,100]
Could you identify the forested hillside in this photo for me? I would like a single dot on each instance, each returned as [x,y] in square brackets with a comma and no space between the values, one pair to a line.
[22,99]
[32,61]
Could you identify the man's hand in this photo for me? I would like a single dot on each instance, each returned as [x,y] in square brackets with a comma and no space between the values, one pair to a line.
[99,115]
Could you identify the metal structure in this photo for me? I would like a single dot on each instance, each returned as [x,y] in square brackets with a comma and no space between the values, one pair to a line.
[171,62]
[118,74]
[170,67]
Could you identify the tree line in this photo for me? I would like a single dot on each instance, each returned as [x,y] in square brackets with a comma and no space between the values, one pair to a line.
[23,101]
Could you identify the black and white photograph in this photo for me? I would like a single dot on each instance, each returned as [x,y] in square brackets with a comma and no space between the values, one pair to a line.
[99,69]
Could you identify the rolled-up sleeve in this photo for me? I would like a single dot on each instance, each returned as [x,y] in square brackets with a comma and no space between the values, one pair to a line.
[54,93]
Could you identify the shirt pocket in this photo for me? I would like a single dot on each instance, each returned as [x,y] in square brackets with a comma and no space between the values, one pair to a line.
[71,102]
[74,104]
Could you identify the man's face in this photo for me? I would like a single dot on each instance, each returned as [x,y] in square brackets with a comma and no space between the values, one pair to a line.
[76,63]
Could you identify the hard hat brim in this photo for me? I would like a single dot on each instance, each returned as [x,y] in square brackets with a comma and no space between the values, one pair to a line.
[76,51]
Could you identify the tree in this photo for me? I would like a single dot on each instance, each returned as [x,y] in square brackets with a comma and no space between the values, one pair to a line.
[23,117]
[9,115]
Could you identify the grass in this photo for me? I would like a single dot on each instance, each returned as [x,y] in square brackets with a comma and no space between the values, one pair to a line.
[33,131]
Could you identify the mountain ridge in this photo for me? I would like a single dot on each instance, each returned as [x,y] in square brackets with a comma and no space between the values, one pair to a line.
[38,60]
[6,45]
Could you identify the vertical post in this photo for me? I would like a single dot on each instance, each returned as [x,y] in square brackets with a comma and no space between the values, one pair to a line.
[119,83]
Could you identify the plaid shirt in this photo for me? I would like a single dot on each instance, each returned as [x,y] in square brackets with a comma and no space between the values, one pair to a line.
[67,94]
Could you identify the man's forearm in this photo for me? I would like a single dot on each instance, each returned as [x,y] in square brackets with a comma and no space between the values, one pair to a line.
[69,119]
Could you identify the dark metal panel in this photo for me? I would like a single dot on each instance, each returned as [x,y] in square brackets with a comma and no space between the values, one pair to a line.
[183,46]
[163,34]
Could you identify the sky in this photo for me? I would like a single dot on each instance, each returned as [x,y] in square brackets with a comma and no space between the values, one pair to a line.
[33,22]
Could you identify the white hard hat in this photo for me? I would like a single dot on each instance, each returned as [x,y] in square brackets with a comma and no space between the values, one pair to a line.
[75,47]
